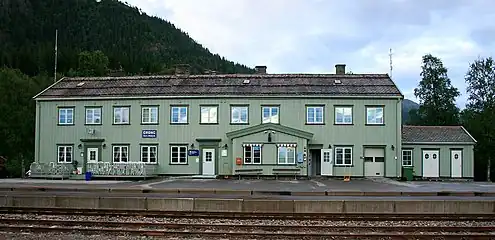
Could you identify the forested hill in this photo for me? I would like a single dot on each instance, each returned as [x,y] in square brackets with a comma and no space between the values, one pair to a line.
[133,41]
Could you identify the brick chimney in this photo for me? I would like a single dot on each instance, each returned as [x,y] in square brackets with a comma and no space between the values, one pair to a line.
[260,69]
[340,69]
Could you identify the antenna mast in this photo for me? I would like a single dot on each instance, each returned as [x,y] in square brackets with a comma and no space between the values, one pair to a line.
[56,53]
[390,56]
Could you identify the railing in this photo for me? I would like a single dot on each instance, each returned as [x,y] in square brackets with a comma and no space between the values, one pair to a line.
[50,170]
[137,169]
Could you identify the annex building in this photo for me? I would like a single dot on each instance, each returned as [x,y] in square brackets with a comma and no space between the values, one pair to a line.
[238,124]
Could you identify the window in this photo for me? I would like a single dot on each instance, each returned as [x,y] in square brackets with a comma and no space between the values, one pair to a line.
[252,154]
[406,157]
[64,154]
[239,115]
[66,116]
[120,154]
[149,115]
[148,154]
[178,155]
[374,115]
[314,115]
[93,115]
[209,114]
[343,156]
[286,155]
[270,114]
[343,115]
[179,114]
[121,115]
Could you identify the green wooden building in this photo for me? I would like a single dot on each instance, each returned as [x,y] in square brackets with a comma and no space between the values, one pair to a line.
[226,125]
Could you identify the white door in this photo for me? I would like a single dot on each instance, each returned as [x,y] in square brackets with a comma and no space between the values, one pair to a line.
[456,163]
[431,163]
[92,155]
[208,161]
[326,162]
[374,162]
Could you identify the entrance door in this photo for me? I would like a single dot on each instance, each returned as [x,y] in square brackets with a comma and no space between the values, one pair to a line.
[92,155]
[208,161]
[326,162]
[374,162]
[431,163]
[456,163]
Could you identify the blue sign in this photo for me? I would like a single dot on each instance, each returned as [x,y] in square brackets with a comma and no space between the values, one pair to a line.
[193,153]
[148,133]
[300,157]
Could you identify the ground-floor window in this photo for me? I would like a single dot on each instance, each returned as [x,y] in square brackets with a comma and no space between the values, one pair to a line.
[64,154]
[178,155]
[407,158]
[120,154]
[343,156]
[148,154]
[252,154]
[286,154]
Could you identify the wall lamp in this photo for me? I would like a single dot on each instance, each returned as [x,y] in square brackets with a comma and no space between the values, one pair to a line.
[392,147]
[192,145]
[329,145]
[79,146]
[104,145]
[225,146]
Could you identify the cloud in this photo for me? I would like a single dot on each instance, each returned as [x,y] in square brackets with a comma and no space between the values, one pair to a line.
[314,35]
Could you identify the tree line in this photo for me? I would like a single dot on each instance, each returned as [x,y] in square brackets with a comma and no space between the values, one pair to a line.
[438,96]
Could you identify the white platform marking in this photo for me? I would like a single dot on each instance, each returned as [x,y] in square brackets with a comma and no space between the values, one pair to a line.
[319,184]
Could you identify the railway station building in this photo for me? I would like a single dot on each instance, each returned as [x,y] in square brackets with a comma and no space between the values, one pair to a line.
[213,125]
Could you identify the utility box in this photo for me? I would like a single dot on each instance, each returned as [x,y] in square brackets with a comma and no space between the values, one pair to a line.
[407,173]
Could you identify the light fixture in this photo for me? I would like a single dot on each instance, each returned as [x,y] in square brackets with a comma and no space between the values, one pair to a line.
[329,145]
[79,146]
[104,145]
[225,146]
[393,147]
[192,145]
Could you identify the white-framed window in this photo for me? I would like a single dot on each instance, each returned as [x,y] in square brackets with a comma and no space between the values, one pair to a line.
[66,116]
[374,115]
[314,115]
[64,154]
[178,114]
[407,158]
[343,115]
[209,114]
[252,153]
[120,154]
[149,115]
[149,153]
[93,115]
[239,114]
[270,114]
[286,154]
[343,156]
[121,115]
[178,154]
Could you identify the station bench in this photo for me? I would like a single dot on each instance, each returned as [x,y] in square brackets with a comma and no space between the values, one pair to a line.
[286,171]
[257,172]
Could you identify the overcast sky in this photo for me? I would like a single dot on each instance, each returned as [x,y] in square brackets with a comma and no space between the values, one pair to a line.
[311,36]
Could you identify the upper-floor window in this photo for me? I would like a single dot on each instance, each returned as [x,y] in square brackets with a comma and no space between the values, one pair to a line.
[374,115]
[239,114]
[270,114]
[252,154]
[178,155]
[93,115]
[343,115]
[64,154]
[66,116]
[209,114]
[179,114]
[343,156]
[120,154]
[149,115]
[286,155]
[121,115]
[406,158]
[148,154]
[314,115]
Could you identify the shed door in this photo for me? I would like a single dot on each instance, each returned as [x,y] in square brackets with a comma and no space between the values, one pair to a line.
[456,163]
[92,155]
[374,162]
[431,163]
[326,162]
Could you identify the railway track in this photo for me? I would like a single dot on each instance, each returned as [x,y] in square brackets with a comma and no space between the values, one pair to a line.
[236,231]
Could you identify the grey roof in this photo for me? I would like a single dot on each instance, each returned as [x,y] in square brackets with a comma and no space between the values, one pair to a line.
[225,84]
[436,134]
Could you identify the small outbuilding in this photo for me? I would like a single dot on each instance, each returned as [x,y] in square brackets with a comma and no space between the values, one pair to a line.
[438,151]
